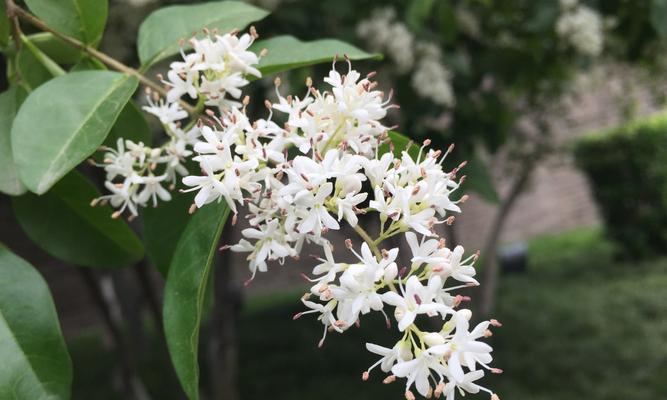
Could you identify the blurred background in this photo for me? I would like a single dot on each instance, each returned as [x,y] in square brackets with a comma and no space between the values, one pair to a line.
[558,107]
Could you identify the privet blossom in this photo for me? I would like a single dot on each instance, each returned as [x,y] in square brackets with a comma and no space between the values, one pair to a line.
[213,75]
[325,165]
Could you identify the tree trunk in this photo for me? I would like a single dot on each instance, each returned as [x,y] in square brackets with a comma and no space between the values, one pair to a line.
[490,268]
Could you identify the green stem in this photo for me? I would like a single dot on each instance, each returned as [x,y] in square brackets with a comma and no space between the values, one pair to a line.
[368,240]
[53,67]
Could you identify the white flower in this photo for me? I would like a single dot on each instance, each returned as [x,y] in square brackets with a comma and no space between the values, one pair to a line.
[166,112]
[317,217]
[181,83]
[152,189]
[464,349]
[416,299]
[346,207]
[400,352]
[121,196]
[418,371]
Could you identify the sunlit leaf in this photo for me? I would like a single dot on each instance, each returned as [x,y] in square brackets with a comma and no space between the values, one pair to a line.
[64,121]
[160,33]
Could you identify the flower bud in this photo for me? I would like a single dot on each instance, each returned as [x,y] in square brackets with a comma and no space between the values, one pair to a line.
[348,184]
[390,272]
[433,339]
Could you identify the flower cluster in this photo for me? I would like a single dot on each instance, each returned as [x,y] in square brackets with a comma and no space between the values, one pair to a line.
[215,71]
[431,79]
[327,161]
[337,171]
[581,27]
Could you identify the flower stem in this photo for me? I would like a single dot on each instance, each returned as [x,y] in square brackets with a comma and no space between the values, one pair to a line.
[14,10]
[368,240]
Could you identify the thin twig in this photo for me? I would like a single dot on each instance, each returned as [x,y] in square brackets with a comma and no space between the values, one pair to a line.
[13,9]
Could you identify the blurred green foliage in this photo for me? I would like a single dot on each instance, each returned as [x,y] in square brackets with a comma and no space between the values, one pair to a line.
[627,168]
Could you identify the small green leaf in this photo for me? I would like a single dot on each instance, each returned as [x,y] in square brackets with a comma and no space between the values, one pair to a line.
[55,48]
[400,143]
[82,19]
[288,52]
[160,33]
[658,15]
[35,363]
[185,291]
[79,110]
[163,226]
[63,223]
[9,179]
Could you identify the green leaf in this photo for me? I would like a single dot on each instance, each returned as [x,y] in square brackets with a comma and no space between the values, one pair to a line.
[80,108]
[33,74]
[163,226]
[160,33]
[288,52]
[81,19]
[131,124]
[34,66]
[4,26]
[400,143]
[658,15]
[9,179]
[55,48]
[63,223]
[35,363]
[88,64]
[185,291]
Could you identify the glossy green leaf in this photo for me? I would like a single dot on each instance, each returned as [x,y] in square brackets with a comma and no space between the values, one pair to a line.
[55,48]
[160,33]
[35,363]
[185,291]
[82,19]
[9,179]
[288,52]
[63,223]
[79,110]
[163,226]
